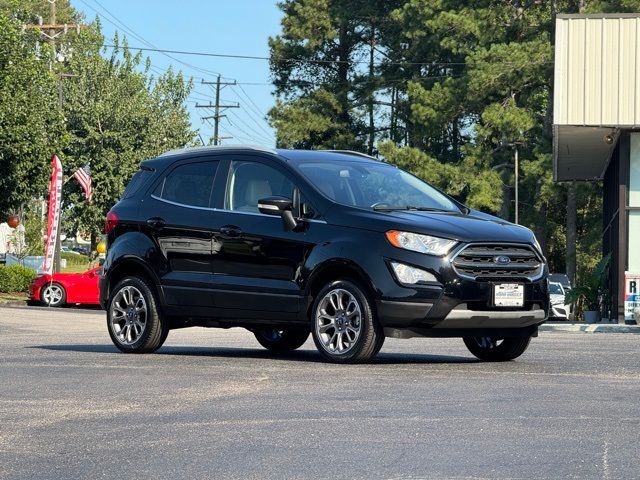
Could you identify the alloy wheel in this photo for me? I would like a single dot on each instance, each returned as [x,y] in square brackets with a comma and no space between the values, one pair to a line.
[128,315]
[52,295]
[338,321]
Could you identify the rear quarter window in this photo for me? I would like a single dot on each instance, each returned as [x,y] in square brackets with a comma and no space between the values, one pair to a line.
[188,184]
[140,178]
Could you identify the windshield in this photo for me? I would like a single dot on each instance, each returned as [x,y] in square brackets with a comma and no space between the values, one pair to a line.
[379,186]
[555,289]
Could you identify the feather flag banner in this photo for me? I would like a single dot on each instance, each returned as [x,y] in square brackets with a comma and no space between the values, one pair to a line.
[53,222]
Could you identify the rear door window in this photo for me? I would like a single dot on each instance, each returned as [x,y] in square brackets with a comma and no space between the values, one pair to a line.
[190,184]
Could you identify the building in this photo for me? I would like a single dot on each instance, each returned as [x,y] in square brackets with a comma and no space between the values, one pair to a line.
[597,129]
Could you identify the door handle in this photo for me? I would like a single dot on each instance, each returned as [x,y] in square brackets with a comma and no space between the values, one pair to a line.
[156,223]
[230,231]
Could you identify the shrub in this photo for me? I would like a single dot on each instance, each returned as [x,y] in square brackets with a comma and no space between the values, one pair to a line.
[74,258]
[15,278]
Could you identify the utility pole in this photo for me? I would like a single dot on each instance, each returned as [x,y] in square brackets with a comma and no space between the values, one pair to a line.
[50,32]
[217,108]
[516,179]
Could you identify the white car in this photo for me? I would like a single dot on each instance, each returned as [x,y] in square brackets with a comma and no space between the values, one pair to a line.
[557,304]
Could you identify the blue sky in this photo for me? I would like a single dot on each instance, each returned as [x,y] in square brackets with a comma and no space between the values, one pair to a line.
[216,26]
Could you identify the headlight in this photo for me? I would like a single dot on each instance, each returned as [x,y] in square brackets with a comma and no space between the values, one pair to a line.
[420,243]
[411,275]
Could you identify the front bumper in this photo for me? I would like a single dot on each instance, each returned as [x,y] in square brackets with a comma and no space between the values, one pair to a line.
[459,307]
[559,311]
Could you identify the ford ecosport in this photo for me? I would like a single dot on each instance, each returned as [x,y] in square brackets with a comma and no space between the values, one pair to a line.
[332,244]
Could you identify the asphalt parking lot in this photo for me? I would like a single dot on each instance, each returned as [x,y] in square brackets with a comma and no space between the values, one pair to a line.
[213,404]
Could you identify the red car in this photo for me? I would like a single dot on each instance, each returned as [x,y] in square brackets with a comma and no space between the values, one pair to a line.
[62,288]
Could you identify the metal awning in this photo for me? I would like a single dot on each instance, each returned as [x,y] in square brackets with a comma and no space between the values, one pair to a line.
[596,90]
[582,153]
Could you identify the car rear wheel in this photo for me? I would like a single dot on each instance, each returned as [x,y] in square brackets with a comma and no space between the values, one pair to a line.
[345,329]
[53,295]
[281,340]
[492,349]
[134,320]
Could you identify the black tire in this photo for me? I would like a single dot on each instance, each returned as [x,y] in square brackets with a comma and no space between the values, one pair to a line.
[490,349]
[156,328]
[45,298]
[370,338]
[281,340]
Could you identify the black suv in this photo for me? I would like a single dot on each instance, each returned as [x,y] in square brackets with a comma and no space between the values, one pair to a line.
[335,244]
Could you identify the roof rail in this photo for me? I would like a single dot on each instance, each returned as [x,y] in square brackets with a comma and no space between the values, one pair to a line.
[353,152]
[209,148]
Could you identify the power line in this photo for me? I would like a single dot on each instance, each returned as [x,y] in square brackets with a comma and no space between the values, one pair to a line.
[300,60]
[238,119]
[252,106]
[242,138]
[120,24]
[255,138]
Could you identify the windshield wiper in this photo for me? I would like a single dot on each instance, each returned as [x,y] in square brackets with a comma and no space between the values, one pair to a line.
[389,208]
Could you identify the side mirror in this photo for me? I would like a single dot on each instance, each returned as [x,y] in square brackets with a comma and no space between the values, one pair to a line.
[280,206]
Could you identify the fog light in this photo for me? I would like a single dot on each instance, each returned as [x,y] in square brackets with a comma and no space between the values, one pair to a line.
[411,275]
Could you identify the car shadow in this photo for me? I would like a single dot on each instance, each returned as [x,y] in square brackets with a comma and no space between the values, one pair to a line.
[297,356]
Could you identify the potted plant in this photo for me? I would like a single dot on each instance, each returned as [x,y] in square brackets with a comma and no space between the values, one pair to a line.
[591,291]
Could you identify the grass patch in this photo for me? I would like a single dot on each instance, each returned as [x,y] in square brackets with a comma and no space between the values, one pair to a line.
[76,268]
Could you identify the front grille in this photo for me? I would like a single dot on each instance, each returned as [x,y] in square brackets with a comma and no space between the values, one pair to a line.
[488,261]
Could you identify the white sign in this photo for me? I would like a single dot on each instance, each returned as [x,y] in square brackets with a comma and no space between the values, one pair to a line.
[632,296]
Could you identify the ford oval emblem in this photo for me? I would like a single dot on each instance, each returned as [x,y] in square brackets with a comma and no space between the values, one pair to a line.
[502,260]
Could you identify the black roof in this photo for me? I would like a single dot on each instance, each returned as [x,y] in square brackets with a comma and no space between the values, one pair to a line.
[294,156]
[318,155]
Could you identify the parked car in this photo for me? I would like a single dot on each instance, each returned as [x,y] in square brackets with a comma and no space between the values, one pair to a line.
[558,307]
[66,288]
[288,243]
[562,279]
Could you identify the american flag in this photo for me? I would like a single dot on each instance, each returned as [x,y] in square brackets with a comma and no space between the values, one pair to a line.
[84,180]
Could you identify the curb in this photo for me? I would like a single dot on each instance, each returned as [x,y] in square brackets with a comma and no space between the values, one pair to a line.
[13,303]
[589,328]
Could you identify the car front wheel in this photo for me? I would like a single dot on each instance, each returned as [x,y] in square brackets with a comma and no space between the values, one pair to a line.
[134,321]
[345,329]
[492,349]
[53,295]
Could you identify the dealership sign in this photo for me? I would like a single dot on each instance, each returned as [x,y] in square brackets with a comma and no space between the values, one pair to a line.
[632,297]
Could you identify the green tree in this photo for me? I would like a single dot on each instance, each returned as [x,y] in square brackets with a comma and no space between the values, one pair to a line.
[323,69]
[28,11]
[457,87]
[117,115]
[31,127]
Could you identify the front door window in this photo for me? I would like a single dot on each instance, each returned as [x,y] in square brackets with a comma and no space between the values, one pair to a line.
[251,181]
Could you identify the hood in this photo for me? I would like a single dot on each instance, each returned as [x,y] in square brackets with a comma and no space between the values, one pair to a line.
[556,299]
[473,227]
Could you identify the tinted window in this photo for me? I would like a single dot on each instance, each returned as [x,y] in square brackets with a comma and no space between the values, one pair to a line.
[139,178]
[189,184]
[365,184]
[249,182]
[555,288]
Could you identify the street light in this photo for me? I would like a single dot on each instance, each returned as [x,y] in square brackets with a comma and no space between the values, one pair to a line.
[516,171]
[516,177]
